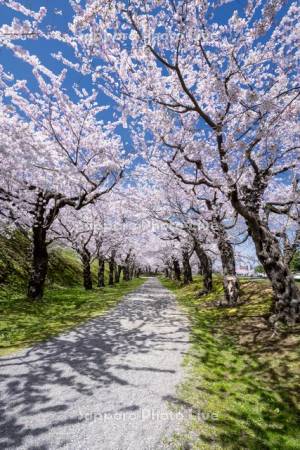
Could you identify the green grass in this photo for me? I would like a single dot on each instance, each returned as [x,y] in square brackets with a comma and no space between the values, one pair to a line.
[65,303]
[243,381]
[14,260]
[23,323]
[64,265]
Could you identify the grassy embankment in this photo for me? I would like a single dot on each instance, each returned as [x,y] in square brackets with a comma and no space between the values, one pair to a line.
[65,304]
[243,381]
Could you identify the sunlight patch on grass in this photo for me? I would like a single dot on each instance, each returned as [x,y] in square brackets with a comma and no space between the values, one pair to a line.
[240,374]
[23,323]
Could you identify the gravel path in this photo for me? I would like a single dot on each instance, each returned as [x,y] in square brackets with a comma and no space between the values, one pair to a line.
[106,385]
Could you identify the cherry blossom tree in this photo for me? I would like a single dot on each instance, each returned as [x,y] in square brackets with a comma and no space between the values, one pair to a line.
[57,153]
[21,29]
[171,206]
[234,85]
[119,236]
[79,229]
[216,216]
[195,217]
[28,26]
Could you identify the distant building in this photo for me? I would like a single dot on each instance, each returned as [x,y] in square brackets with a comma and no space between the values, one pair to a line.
[245,270]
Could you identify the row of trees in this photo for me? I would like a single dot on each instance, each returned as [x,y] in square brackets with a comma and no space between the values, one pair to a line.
[212,106]
[219,103]
[60,165]
[100,237]
[57,155]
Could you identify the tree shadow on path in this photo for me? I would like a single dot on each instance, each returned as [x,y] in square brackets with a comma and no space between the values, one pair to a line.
[39,387]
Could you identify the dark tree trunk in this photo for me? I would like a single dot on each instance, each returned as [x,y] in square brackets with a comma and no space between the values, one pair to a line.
[86,266]
[111,269]
[187,271]
[286,295]
[101,271]
[118,270]
[126,268]
[176,268]
[206,268]
[126,273]
[39,265]
[286,305]
[200,269]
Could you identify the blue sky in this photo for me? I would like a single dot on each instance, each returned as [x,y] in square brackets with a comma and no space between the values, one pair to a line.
[43,49]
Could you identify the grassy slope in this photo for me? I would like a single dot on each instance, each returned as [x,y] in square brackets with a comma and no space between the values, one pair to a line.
[64,266]
[243,381]
[64,305]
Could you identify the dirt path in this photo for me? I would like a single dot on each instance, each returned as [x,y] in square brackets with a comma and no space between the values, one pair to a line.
[104,386]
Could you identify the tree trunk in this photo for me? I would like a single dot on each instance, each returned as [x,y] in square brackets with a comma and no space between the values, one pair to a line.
[125,273]
[169,268]
[286,304]
[200,269]
[118,270]
[86,265]
[187,271]
[176,267]
[290,248]
[131,272]
[230,279]
[286,295]
[111,269]
[126,268]
[39,264]
[101,271]
[206,268]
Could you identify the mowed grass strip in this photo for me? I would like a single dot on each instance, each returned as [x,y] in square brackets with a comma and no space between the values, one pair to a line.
[243,380]
[23,323]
